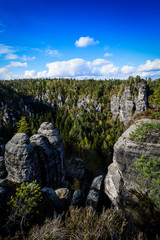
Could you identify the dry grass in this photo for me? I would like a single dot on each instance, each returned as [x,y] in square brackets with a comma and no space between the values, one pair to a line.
[52,229]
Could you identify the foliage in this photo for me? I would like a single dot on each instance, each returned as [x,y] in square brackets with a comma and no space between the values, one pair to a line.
[23,126]
[144,129]
[24,203]
[149,170]
[85,223]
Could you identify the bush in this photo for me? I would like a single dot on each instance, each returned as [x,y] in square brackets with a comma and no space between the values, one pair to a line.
[149,170]
[85,223]
[24,203]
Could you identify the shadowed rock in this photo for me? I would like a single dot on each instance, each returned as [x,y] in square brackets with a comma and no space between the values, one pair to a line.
[21,159]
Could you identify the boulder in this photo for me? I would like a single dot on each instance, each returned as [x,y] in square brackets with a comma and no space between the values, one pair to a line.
[60,197]
[21,159]
[95,192]
[77,198]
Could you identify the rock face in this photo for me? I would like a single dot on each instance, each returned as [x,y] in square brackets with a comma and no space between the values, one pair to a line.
[121,185]
[40,157]
[95,192]
[76,169]
[129,105]
[21,159]
[55,139]
[49,160]
[85,102]
[2,163]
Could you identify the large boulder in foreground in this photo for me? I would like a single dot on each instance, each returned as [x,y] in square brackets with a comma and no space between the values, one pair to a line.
[121,183]
[38,157]
[21,159]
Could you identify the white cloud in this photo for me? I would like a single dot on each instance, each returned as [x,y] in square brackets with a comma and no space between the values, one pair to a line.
[150,66]
[72,68]
[11,56]
[79,68]
[51,52]
[4,74]
[107,69]
[127,69]
[99,61]
[25,58]
[85,42]
[29,74]
[108,54]
[17,64]
[5,49]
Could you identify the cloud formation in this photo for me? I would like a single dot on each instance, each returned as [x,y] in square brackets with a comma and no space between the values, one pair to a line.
[25,58]
[17,64]
[127,69]
[85,42]
[108,54]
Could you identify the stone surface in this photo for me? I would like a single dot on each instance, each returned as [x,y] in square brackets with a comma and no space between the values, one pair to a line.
[76,168]
[128,105]
[49,161]
[21,159]
[60,197]
[95,192]
[77,198]
[52,134]
[121,184]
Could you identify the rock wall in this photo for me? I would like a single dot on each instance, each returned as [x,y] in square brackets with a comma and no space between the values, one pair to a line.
[128,105]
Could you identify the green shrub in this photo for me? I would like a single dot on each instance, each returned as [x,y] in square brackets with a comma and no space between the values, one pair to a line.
[24,203]
[145,128]
[149,170]
[85,223]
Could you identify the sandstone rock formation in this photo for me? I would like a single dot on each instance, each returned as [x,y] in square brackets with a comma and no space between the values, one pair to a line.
[21,159]
[128,104]
[95,192]
[52,134]
[40,157]
[49,161]
[121,184]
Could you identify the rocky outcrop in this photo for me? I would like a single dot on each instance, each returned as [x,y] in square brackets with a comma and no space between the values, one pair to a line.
[86,102]
[49,161]
[95,192]
[121,184]
[40,157]
[21,159]
[128,104]
[55,139]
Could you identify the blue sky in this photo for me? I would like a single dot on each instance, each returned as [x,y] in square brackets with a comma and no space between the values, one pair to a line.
[79,39]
